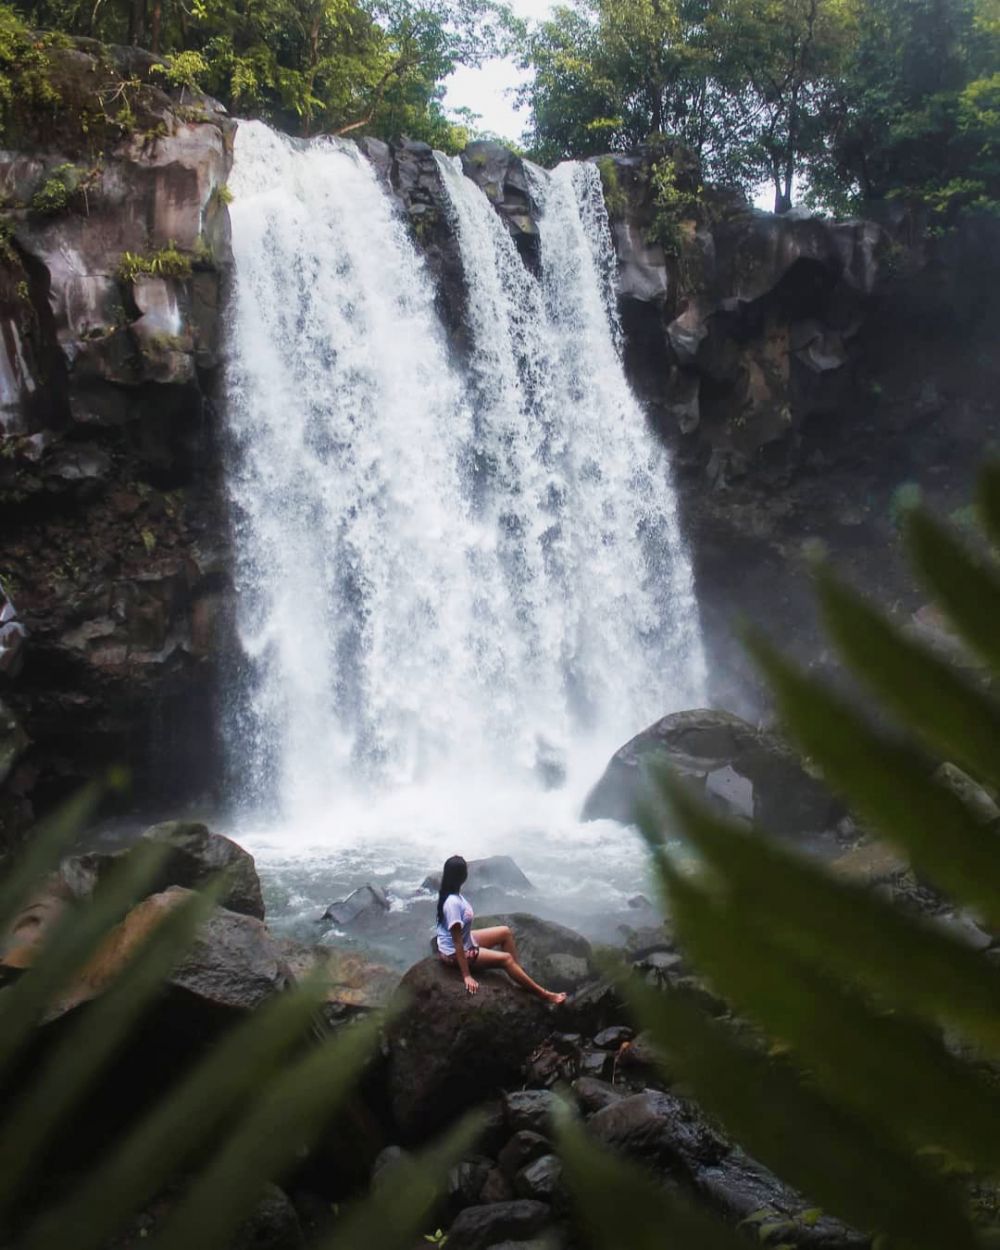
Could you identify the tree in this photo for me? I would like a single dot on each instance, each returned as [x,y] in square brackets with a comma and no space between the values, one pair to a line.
[915,111]
[777,59]
[348,66]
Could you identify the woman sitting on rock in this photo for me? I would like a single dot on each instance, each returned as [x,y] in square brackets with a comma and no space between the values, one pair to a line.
[460,946]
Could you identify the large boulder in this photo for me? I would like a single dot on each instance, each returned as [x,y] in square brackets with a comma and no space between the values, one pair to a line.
[195,856]
[232,967]
[498,1224]
[555,956]
[750,772]
[449,1050]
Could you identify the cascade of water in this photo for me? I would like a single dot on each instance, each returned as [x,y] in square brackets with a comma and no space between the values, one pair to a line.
[603,578]
[436,573]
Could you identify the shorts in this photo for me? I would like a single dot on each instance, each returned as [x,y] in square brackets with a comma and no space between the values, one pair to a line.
[471,955]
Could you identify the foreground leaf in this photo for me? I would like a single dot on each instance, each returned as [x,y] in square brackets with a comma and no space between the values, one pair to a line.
[50,839]
[392,1216]
[888,786]
[180,1126]
[889,1069]
[915,966]
[927,693]
[74,1064]
[965,585]
[824,1151]
[287,1117]
[623,1206]
[73,940]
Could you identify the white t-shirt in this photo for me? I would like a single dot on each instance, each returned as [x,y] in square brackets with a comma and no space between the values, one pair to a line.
[456,911]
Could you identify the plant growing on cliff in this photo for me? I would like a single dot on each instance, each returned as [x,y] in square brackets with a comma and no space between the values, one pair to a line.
[184,69]
[615,199]
[871,1082]
[167,262]
[24,68]
[672,205]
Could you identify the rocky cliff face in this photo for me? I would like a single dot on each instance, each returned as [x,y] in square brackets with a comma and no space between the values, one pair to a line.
[114,246]
[807,375]
[810,377]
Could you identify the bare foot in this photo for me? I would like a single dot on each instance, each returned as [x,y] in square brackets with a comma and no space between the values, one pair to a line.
[552,997]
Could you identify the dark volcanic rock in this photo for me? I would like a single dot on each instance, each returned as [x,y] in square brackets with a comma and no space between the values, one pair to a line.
[498,871]
[556,957]
[539,1179]
[274,1225]
[594,1095]
[478,1228]
[662,1130]
[109,469]
[523,1148]
[529,1110]
[196,855]
[751,772]
[448,1050]
[501,174]
[363,908]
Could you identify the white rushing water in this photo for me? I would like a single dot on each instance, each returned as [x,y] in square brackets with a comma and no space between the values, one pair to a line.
[446,572]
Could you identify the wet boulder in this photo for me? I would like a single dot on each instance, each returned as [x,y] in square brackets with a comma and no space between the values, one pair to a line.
[660,1129]
[449,1050]
[499,1223]
[195,856]
[362,909]
[552,954]
[232,967]
[749,772]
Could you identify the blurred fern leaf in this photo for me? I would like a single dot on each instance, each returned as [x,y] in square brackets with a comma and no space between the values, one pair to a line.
[851,1090]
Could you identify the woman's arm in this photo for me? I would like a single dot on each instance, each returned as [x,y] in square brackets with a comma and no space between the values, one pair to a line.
[471,984]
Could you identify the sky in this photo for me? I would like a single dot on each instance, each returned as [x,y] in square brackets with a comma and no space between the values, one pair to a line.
[485,90]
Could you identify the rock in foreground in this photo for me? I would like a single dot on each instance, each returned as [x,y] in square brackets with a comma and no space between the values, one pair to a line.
[195,857]
[449,1050]
[750,772]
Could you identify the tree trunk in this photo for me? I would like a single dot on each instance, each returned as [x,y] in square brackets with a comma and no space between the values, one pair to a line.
[154,34]
[136,22]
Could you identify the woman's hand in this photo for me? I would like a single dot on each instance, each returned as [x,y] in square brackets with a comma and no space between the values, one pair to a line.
[471,984]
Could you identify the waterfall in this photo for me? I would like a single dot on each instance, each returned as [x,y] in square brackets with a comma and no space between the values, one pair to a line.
[601,572]
[442,572]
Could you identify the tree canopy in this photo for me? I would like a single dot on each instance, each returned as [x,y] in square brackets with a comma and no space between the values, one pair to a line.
[851,100]
[347,66]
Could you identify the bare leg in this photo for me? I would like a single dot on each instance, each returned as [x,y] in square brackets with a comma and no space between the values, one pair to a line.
[500,938]
[506,963]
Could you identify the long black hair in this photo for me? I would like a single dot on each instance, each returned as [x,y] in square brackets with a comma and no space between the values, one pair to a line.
[452,879]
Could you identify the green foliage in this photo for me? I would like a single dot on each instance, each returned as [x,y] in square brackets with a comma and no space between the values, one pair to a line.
[346,66]
[236,1120]
[58,192]
[671,205]
[24,67]
[222,194]
[184,69]
[852,99]
[168,262]
[615,199]
[848,1088]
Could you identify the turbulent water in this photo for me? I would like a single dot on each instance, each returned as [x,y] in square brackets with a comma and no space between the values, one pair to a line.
[450,576]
